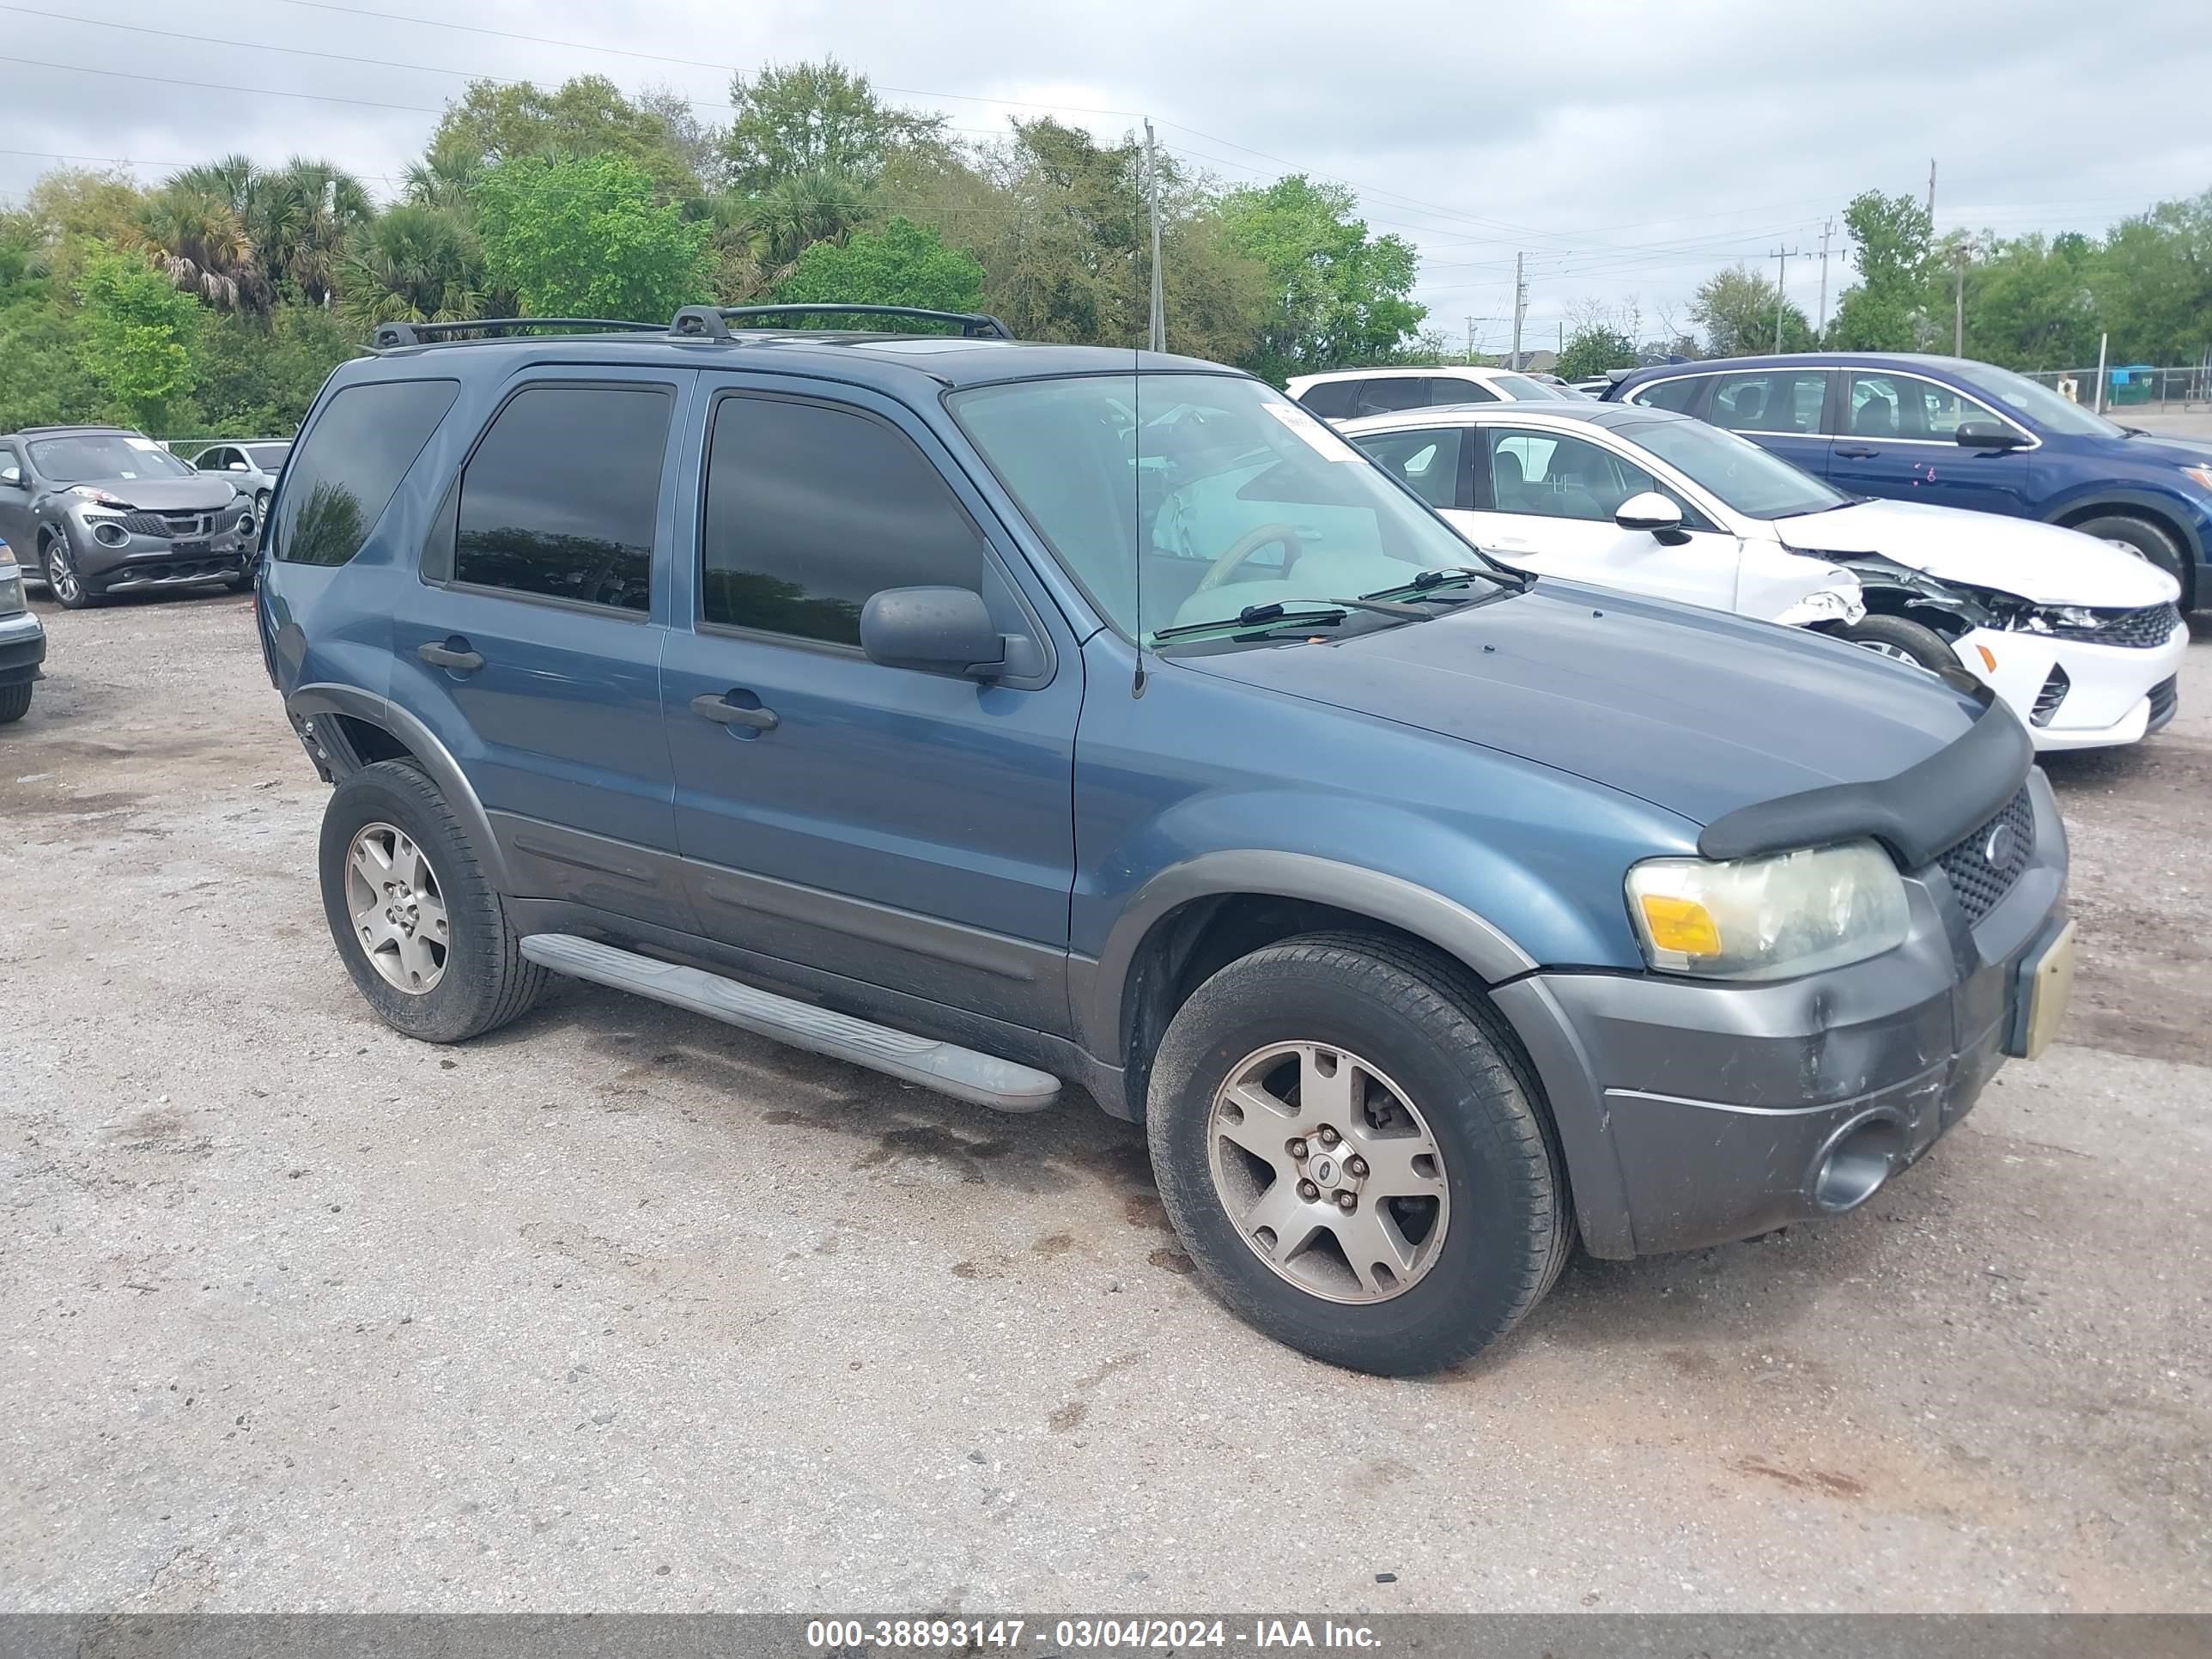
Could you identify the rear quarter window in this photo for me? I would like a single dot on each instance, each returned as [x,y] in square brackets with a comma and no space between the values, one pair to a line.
[341,475]
[1331,399]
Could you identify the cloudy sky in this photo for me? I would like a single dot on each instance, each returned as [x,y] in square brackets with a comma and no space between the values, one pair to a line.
[1626,148]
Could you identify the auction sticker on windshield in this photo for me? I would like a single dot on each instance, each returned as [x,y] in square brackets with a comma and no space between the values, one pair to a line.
[1323,442]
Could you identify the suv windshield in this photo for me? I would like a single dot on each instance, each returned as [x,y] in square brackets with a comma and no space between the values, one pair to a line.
[1522,389]
[99,457]
[1225,492]
[1755,483]
[267,457]
[2038,403]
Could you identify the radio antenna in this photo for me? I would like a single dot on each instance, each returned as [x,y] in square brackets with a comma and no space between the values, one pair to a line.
[1137,509]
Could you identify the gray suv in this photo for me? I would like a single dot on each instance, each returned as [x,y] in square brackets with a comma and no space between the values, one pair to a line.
[98,510]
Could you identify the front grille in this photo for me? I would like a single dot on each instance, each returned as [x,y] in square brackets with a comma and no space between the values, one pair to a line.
[2142,629]
[1978,881]
[169,524]
[2055,685]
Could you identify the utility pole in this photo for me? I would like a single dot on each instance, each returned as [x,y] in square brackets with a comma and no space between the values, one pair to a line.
[1520,308]
[1931,195]
[1152,185]
[1827,231]
[1781,257]
[1470,342]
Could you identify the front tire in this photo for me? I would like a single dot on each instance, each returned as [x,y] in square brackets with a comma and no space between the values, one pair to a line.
[2146,540]
[63,580]
[15,703]
[1904,640]
[418,926]
[1355,1156]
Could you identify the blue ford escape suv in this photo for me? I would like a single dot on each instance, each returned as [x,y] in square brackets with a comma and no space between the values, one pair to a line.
[1954,432]
[1002,716]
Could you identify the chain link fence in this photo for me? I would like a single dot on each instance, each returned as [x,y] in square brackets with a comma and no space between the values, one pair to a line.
[2135,386]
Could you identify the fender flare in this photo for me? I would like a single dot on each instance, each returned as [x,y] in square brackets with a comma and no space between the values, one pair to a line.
[327,698]
[1486,950]
[2123,500]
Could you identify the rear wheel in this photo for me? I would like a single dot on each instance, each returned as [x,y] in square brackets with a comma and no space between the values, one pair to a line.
[1904,640]
[1354,1157]
[14,702]
[419,927]
[2146,541]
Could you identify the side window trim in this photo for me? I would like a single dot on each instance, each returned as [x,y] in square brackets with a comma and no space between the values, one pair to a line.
[997,564]
[435,565]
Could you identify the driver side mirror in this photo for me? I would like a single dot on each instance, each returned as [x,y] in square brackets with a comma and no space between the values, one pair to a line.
[936,630]
[238,467]
[1660,516]
[1987,434]
[11,477]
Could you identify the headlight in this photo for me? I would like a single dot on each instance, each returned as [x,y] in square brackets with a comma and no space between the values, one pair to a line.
[2201,474]
[11,588]
[1768,918]
[89,493]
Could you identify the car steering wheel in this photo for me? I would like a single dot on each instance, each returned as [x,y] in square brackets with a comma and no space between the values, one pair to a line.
[1249,544]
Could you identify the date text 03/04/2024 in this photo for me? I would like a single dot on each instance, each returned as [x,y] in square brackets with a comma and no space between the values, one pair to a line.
[1080,1635]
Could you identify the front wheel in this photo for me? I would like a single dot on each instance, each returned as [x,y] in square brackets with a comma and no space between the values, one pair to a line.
[420,928]
[1354,1155]
[63,580]
[2146,540]
[1904,640]
[15,703]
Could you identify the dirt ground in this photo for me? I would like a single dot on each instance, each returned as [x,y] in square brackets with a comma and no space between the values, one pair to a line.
[621,1309]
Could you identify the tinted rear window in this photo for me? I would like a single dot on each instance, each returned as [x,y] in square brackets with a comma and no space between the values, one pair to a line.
[338,485]
[1331,399]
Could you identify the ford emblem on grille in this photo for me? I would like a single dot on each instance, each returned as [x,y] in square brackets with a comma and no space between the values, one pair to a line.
[1997,850]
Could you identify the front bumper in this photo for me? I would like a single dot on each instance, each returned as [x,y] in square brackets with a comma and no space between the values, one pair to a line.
[2086,697]
[144,562]
[22,649]
[1694,1113]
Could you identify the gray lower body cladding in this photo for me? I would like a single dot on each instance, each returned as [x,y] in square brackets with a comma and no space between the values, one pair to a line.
[1692,1114]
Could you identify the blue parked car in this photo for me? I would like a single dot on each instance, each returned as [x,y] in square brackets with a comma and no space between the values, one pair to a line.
[1001,717]
[1958,433]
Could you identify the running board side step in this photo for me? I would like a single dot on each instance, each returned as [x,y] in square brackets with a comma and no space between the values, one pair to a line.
[999,1084]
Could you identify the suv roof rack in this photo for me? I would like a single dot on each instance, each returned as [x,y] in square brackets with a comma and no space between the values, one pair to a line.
[389,336]
[712,322]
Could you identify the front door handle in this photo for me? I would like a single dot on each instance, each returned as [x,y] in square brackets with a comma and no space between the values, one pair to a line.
[1856,453]
[723,712]
[455,656]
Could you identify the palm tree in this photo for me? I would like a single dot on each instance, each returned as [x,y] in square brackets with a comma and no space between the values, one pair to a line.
[410,264]
[820,205]
[303,215]
[198,239]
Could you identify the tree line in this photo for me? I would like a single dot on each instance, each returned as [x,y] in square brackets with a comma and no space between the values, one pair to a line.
[2026,302]
[216,301]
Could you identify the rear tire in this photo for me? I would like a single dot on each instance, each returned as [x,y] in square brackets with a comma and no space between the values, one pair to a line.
[2146,540]
[15,703]
[1475,1191]
[1904,640]
[482,980]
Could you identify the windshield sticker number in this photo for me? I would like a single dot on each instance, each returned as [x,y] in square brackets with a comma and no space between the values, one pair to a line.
[1322,441]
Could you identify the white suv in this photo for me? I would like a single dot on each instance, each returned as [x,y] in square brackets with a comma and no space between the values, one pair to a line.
[1344,394]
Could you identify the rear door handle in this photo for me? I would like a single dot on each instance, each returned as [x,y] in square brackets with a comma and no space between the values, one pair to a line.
[1856,453]
[722,711]
[457,655]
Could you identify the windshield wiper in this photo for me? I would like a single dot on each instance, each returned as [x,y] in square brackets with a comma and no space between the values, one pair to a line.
[1426,588]
[1327,613]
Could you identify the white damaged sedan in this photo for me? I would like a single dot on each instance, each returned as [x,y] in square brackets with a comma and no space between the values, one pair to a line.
[2081,637]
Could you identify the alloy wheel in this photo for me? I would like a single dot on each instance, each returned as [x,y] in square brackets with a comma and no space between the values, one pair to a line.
[62,579]
[1328,1170]
[397,908]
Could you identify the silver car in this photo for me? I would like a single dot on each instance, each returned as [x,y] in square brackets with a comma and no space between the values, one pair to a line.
[251,464]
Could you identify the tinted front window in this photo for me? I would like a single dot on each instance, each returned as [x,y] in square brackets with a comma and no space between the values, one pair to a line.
[351,460]
[560,498]
[810,510]
[1331,399]
[1428,460]
[103,457]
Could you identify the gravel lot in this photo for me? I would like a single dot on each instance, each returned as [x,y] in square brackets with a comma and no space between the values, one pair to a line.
[621,1309]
